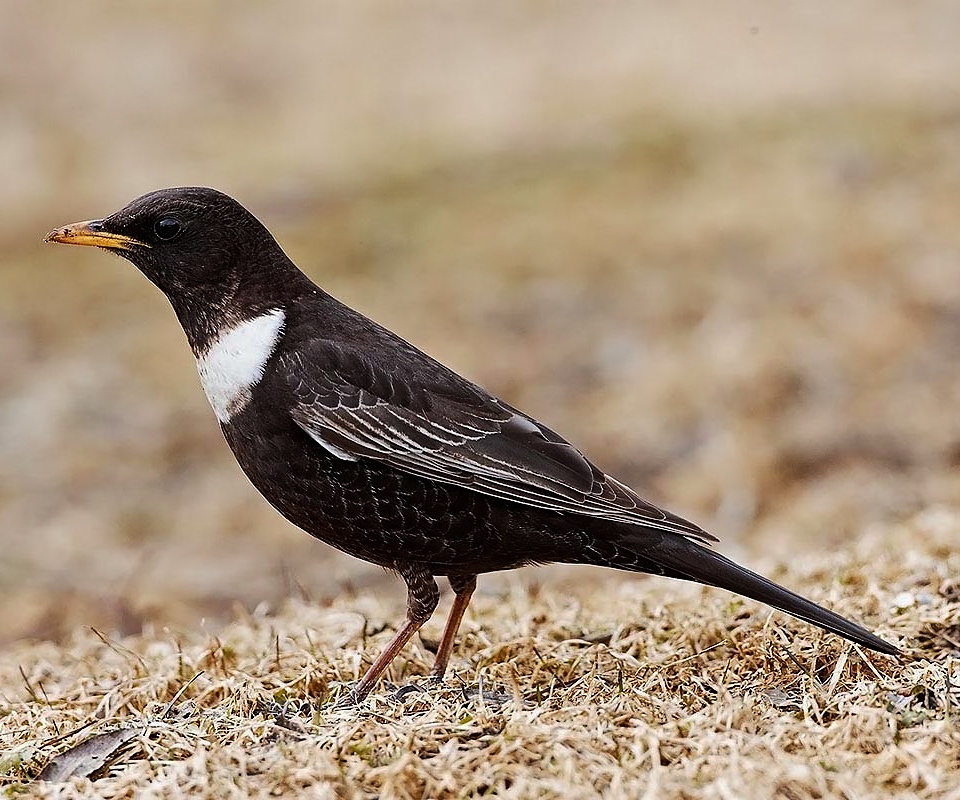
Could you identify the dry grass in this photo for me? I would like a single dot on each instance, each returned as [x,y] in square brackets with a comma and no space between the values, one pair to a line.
[643,689]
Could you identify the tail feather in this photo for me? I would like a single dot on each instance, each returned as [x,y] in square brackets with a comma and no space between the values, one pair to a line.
[682,558]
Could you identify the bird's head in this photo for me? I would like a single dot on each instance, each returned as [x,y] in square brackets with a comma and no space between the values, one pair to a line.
[184,240]
[210,256]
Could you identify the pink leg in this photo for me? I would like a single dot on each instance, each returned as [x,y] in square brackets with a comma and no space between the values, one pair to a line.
[463,588]
[422,599]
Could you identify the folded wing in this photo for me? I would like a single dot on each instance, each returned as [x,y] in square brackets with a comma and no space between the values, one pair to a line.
[439,426]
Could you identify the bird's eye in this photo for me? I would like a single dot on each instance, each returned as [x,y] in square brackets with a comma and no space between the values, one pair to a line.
[167,229]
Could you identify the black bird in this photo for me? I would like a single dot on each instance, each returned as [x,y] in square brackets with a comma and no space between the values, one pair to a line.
[373,447]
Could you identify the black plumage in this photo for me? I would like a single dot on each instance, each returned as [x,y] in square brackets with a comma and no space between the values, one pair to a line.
[375,448]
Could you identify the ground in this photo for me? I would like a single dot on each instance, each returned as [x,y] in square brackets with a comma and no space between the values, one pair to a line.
[716,248]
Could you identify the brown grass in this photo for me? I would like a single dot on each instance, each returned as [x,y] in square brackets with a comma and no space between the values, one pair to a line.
[642,689]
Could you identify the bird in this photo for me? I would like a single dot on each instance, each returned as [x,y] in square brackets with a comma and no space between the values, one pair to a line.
[372,446]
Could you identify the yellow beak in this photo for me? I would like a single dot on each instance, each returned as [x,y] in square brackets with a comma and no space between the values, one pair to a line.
[92,234]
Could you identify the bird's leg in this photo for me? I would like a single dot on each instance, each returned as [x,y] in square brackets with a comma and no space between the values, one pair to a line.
[463,587]
[422,598]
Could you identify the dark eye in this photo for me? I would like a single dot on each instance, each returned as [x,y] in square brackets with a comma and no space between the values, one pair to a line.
[167,229]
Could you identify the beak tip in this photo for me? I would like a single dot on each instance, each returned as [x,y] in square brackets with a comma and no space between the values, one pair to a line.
[60,235]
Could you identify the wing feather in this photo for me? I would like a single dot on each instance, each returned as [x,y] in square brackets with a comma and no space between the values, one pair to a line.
[449,430]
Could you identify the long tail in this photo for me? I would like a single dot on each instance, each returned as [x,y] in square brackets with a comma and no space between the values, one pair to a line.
[681,558]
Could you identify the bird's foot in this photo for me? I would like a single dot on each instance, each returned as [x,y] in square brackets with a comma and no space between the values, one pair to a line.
[487,695]
[350,700]
[398,694]
[426,690]
[471,691]
[289,715]
[405,691]
[353,698]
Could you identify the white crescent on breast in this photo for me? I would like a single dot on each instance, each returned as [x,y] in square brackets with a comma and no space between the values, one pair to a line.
[235,361]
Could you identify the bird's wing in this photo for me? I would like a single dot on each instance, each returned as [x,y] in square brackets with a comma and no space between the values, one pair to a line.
[434,424]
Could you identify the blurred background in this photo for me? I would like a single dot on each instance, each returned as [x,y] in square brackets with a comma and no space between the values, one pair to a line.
[715,245]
